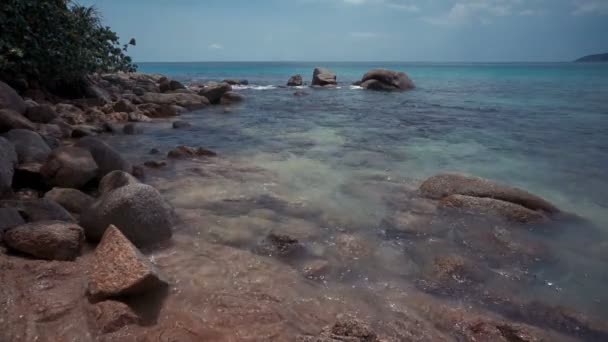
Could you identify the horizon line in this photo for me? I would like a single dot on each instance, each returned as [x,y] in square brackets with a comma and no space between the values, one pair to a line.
[295,61]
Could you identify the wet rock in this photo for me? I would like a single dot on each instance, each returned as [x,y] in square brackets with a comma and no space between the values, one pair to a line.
[236,82]
[8,161]
[231,97]
[214,91]
[347,329]
[350,246]
[155,164]
[115,180]
[301,93]
[190,101]
[119,268]
[323,77]
[138,117]
[29,145]
[383,79]
[9,218]
[153,110]
[480,205]
[451,275]
[106,158]
[51,240]
[9,99]
[138,210]
[315,269]
[181,124]
[443,185]
[182,151]
[69,167]
[280,245]
[34,210]
[75,201]
[52,130]
[154,151]
[29,176]
[124,106]
[10,119]
[70,113]
[132,129]
[81,131]
[110,316]
[41,114]
[295,81]
[485,330]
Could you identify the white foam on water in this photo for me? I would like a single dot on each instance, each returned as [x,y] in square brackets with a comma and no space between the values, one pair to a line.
[354,87]
[254,87]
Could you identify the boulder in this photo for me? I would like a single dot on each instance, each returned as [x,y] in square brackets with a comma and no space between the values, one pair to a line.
[214,91]
[70,113]
[124,106]
[182,151]
[158,111]
[9,218]
[8,161]
[41,114]
[30,146]
[175,85]
[134,99]
[75,201]
[508,210]
[106,158]
[34,210]
[9,99]
[98,93]
[9,119]
[52,130]
[110,316]
[181,124]
[236,82]
[443,185]
[51,240]
[138,210]
[119,269]
[69,167]
[295,81]
[155,164]
[324,77]
[115,180]
[190,101]
[132,129]
[384,79]
[138,117]
[231,97]
[81,131]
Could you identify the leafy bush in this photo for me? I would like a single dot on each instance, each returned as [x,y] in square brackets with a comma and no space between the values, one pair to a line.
[56,42]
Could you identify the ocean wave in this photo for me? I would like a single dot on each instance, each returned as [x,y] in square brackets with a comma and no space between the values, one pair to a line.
[254,87]
[354,87]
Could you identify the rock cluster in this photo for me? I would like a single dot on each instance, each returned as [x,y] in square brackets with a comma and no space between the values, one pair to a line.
[386,80]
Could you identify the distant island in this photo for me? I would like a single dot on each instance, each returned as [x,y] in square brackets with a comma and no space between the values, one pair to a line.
[602,57]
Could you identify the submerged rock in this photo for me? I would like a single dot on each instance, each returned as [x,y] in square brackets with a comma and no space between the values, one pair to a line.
[383,79]
[295,81]
[138,210]
[52,240]
[323,77]
[9,119]
[115,180]
[107,158]
[181,124]
[508,210]
[190,152]
[119,268]
[132,129]
[110,316]
[9,99]
[231,97]
[34,210]
[155,164]
[214,91]
[190,101]
[69,167]
[75,201]
[29,145]
[280,245]
[345,329]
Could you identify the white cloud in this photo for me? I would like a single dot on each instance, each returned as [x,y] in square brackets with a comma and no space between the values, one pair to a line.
[215,46]
[585,7]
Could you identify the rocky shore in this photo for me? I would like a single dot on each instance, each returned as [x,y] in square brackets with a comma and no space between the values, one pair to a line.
[84,240]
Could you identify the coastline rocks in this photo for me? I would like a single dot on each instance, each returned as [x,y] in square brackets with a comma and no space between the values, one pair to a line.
[132,129]
[124,106]
[180,124]
[383,79]
[8,161]
[41,114]
[323,77]
[119,268]
[29,145]
[158,111]
[110,316]
[34,210]
[214,91]
[183,151]
[236,82]
[9,119]
[114,180]
[231,97]
[138,210]
[190,101]
[69,167]
[106,158]
[347,329]
[70,113]
[9,218]
[295,81]
[482,205]
[444,185]
[9,99]
[51,240]
[75,201]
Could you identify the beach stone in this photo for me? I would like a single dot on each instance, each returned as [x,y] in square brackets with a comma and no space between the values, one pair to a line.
[181,124]
[139,172]
[29,145]
[9,119]
[138,117]
[115,180]
[508,210]
[190,101]
[346,329]
[384,79]
[315,269]
[125,106]
[9,99]
[8,161]
[34,210]
[295,81]
[132,129]
[323,77]
[75,201]
[110,316]
[236,82]
[52,130]
[138,210]
[183,151]
[280,245]
[50,240]
[70,113]
[119,269]
[41,114]
[159,111]
[349,246]
[81,131]
[443,185]
[106,157]
[231,97]
[214,91]
[155,163]
[69,167]
[9,218]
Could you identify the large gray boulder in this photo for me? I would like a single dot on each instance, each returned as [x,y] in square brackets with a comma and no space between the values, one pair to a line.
[115,180]
[41,114]
[214,91]
[75,201]
[190,101]
[9,119]
[51,240]
[138,210]
[9,99]
[34,210]
[384,79]
[8,161]
[69,167]
[324,77]
[30,146]
[295,81]
[107,158]
[119,269]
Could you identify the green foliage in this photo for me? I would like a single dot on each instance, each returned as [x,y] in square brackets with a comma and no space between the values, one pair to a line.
[56,41]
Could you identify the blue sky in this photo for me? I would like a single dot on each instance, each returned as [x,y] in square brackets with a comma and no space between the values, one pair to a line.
[359,30]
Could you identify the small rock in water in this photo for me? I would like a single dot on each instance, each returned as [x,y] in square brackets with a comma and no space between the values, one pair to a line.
[119,268]
[132,129]
[110,316]
[315,269]
[181,124]
[295,81]
[154,151]
[190,152]
[52,240]
[155,163]
[231,97]
[300,93]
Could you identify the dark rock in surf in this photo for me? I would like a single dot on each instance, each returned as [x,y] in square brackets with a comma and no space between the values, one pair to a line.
[387,80]
[51,240]
[214,91]
[155,164]
[182,151]
[132,129]
[231,97]
[180,124]
[236,82]
[324,77]
[295,81]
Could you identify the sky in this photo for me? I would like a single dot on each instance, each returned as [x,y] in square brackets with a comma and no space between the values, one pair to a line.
[359,30]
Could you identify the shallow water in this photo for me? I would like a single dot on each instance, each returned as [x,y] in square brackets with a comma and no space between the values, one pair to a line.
[338,170]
